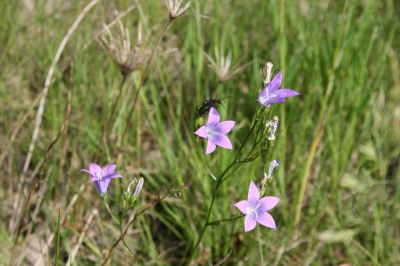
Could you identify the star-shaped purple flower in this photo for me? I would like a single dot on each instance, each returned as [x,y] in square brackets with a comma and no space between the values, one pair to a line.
[215,132]
[101,177]
[272,94]
[256,209]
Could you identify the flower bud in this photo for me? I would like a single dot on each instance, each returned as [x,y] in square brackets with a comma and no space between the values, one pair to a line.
[139,187]
[272,125]
[267,177]
[267,73]
[272,165]
[130,197]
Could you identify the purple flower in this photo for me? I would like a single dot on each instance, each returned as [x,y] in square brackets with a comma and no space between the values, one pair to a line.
[256,209]
[101,177]
[215,132]
[272,94]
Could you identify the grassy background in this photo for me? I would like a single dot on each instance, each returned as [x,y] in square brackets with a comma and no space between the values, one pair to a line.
[339,149]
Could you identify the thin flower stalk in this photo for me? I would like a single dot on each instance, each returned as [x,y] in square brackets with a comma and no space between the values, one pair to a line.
[143,77]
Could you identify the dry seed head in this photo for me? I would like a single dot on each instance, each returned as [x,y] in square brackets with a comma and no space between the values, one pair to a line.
[174,9]
[221,65]
[127,59]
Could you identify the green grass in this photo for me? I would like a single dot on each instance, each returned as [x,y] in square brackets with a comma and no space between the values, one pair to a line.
[339,144]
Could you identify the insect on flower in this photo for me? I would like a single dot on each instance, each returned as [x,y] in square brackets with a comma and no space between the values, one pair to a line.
[215,131]
[206,106]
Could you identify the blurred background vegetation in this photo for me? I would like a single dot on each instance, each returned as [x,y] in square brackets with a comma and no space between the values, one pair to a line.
[339,142]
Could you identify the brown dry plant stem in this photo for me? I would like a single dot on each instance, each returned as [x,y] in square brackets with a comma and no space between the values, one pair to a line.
[128,121]
[40,115]
[18,127]
[37,180]
[129,225]
[81,237]
[48,82]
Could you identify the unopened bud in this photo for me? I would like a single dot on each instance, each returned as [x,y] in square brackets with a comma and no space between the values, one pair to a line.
[272,125]
[272,165]
[139,187]
[130,197]
[267,73]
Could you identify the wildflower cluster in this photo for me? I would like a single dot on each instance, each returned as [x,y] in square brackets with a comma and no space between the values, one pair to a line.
[256,207]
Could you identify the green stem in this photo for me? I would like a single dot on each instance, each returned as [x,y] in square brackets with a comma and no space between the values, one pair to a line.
[121,231]
[256,119]
[225,220]
[127,228]
[144,73]
[260,246]
[108,209]
[113,108]
[207,220]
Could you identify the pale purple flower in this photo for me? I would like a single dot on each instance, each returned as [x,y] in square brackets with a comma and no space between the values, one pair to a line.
[215,132]
[256,209]
[101,177]
[272,94]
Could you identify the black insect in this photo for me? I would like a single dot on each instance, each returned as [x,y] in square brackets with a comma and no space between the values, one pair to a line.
[206,106]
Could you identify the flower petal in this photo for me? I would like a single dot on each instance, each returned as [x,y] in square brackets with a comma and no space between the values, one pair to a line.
[95,170]
[210,147]
[249,223]
[201,132]
[266,220]
[115,175]
[269,101]
[109,169]
[241,205]
[275,83]
[285,93]
[87,171]
[254,194]
[102,186]
[225,127]
[213,117]
[267,203]
[223,141]
[94,178]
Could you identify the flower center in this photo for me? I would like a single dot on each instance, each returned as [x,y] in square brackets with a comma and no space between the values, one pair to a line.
[271,95]
[251,210]
[212,131]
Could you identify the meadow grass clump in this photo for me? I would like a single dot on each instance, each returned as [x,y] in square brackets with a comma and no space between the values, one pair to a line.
[67,99]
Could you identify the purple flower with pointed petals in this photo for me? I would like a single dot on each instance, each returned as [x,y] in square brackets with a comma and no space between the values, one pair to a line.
[101,177]
[256,209]
[272,94]
[215,132]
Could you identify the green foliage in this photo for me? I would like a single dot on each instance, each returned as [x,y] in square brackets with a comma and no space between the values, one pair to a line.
[338,142]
